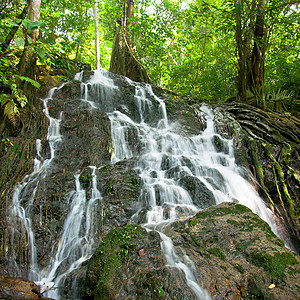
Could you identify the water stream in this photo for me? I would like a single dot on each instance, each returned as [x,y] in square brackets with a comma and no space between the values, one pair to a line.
[166,159]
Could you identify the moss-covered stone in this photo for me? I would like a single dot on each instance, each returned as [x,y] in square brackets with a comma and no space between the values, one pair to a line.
[129,264]
[114,249]
[229,244]
[86,178]
[275,265]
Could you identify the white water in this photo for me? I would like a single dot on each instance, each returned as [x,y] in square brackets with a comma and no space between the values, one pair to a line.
[21,215]
[75,245]
[196,156]
[77,241]
[166,155]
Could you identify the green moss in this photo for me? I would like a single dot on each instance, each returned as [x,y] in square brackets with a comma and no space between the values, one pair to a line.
[242,247]
[193,222]
[221,211]
[239,268]
[256,289]
[292,271]
[217,252]
[224,268]
[280,181]
[105,170]
[274,265]
[86,178]
[112,251]
[233,222]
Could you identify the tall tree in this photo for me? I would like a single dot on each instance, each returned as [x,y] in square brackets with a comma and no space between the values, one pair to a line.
[97,35]
[123,59]
[27,64]
[250,33]
[254,23]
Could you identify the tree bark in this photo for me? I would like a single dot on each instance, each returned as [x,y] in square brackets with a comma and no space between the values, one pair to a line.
[27,63]
[96,35]
[250,33]
[123,59]
[241,79]
[256,73]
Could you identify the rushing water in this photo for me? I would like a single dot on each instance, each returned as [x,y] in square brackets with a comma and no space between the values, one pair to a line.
[164,157]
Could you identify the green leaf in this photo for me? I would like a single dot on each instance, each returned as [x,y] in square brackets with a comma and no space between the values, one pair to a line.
[20,42]
[30,41]
[13,23]
[33,82]
[41,53]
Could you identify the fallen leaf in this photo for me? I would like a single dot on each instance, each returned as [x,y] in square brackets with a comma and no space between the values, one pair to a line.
[142,252]
[271,286]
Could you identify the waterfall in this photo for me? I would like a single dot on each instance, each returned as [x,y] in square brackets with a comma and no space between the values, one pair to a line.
[74,246]
[167,161]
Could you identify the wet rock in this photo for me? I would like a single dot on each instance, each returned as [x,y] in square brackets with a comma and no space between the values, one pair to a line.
[220,145]
[19,288]
[202,197]
[118,271]
[120,188]
[235,255]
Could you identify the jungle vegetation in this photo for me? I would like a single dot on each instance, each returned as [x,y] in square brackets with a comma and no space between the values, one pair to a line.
[209,50]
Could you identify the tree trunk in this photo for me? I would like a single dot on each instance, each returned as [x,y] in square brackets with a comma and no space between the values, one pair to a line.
[250,30]
[97,35]
[123,59]
[14,29]
[256,72]
[27,63]
[241,79]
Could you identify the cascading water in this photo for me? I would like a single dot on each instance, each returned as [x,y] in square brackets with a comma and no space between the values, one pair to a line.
[19,214]
[77,242]
[167,161]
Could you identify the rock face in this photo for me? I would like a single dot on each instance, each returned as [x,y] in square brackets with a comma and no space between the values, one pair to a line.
[267,145]
[19,288]
[235,255]
[129,264]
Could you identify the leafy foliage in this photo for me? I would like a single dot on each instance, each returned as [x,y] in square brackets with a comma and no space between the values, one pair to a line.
[12,97]
[187,47]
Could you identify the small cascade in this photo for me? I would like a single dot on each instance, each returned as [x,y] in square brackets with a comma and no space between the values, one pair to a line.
[77,242]
[184,264]
[19,214]
[78,239]
[99,89]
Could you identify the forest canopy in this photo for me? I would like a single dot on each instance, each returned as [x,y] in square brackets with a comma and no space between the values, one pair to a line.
[209,50]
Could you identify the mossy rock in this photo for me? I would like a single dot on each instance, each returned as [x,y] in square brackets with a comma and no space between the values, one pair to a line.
[229,245]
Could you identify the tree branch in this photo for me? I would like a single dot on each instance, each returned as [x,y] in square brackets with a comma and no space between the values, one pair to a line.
[283,5]
[14,29]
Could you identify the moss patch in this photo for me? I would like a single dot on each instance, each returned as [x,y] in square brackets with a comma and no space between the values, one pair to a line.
[274,265]
[113,250]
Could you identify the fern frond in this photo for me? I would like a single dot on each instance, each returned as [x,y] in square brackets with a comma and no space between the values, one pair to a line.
[11,111]
[27,79]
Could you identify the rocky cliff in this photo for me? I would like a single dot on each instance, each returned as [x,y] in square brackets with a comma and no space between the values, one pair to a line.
[234,253]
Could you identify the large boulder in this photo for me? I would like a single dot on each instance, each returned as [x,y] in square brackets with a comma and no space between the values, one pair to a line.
[19,288]
[235,255]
